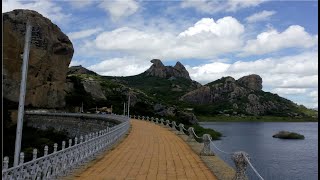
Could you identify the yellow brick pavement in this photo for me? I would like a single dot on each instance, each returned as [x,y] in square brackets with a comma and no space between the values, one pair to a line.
[149,152]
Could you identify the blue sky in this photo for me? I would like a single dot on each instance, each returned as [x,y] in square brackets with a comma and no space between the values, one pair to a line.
[276,39]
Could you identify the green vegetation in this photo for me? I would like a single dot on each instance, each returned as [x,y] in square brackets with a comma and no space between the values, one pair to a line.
[31,138]
[223,118]
[288,135]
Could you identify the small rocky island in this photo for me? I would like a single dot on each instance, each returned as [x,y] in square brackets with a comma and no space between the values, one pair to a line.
[288,135]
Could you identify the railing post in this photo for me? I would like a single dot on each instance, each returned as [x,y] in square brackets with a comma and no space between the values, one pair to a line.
[75,140]
[81,139]
[148,118]
[191,135]
[46,150]
[206,151]
[173,125]
[5,162]
[167,123]
[241,165]
[55,147]
[70,142]
[161,122]
[21,161]
[181,126]
[34,153]
[63,145]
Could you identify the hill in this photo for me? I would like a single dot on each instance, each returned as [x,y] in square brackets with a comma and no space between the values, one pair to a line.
[169,91]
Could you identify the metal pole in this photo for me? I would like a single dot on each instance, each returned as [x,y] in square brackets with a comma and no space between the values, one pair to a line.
[129,105]
[22,94]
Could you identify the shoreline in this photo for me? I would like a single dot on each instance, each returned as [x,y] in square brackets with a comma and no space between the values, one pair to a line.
[202,119]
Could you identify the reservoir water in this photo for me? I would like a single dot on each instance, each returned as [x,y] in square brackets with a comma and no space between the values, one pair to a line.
[274,159]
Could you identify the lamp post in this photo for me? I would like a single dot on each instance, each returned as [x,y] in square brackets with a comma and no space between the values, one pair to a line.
[22,94]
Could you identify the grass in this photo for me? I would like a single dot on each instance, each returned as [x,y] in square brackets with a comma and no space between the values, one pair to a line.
[221,118]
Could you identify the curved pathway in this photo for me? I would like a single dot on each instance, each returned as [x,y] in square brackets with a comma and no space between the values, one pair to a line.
[149,152]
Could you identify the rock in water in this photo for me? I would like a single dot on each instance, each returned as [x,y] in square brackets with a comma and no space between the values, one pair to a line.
[50,55]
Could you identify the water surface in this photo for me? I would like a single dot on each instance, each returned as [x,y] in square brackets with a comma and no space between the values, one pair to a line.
[274,159]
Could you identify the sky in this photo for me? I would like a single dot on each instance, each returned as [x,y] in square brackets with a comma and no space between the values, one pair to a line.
[277,40]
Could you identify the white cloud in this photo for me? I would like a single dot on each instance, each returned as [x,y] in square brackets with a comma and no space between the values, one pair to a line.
[272,40]
[119,8]
[46,8]
[287,91]
[260,16]
[211,7]
[198,41]
[81,3]
[83,33]
[126,66]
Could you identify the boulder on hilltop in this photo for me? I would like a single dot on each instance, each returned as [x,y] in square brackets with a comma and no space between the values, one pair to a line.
[159,70]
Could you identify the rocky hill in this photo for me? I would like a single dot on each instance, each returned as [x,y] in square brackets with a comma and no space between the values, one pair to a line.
[242,96]
[79,70]
[50,55]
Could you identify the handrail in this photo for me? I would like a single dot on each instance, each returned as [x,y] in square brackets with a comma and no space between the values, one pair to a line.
[61,162]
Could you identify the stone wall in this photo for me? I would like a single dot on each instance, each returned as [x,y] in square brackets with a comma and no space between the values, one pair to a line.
[74,124]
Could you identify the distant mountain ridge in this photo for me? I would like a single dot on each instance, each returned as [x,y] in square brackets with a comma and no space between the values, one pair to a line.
[167,89]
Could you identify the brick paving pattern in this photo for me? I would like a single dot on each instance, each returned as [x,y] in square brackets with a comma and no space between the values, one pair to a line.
[149,152]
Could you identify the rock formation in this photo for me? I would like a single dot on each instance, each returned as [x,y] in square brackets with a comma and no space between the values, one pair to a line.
[252,81]
[159,70]
[50,55]
[243,95]
[79,70]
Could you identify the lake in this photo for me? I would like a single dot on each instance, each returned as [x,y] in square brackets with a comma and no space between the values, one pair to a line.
[274,159]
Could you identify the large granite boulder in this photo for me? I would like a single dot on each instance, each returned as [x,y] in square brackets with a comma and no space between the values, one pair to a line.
[252,81]
[50,55]
[159,70]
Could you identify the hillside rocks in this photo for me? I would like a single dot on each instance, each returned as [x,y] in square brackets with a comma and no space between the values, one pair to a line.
[50,55]
[252,81]
[238,96]
[159,70]
[79,70]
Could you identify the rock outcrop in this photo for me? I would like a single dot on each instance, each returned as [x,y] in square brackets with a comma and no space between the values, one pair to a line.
[79,70]
[252,81]
[159,70]
[50,55]
[244,95]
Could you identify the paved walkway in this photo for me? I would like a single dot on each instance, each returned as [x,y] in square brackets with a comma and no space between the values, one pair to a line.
[149,152]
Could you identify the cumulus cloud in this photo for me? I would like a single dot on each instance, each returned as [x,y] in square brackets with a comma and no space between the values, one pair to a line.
[47,8]
[126,66]
[83,33]
[198,41]
[260,16]
[119,8]
[211,7]
[272,40]
[287,91]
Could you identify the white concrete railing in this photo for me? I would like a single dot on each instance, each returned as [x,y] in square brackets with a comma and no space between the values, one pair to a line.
[59,163]
[240,158]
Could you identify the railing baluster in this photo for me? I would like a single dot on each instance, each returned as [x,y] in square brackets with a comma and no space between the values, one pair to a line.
[70,143]
[81,139]
[55,147]
[5,162]
[46,150]
[21,158]
[63,145]
[34,153]
[75,140]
